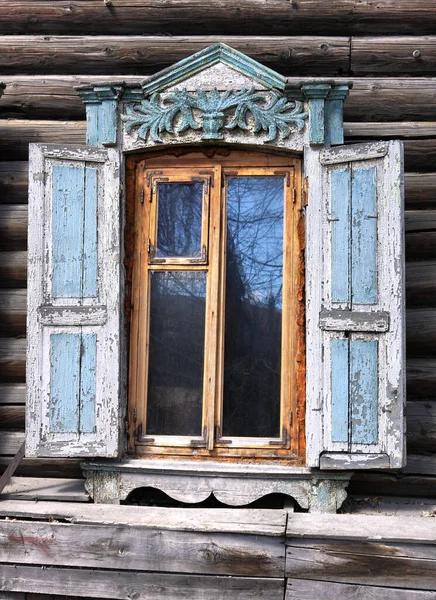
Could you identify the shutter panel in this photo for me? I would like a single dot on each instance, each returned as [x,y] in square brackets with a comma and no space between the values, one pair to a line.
[356,309]
[73,359]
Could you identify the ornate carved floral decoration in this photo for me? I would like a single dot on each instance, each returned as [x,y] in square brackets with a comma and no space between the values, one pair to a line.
[180,110]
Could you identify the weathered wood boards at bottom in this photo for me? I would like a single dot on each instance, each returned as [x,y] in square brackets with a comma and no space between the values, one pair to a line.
[377,563]
[140,548]
[300,589]
[136,586]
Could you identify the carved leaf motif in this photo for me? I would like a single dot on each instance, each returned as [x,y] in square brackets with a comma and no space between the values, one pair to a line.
[275,115]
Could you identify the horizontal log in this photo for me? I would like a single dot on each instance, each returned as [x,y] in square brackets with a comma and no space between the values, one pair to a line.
[12,393]
[143,586]
[396,130]
[13,269]
[421,332]
[137,548]
[13,226]
[389,506]
[12,417]
[142,55]
[16,135]
[10,442]
[13,182]
[50,467]
[420,190]
[45,489]
[54,97]
[380,563]
[421,277]
[421,431]
[414,55]
[300,589]
[421,378]
[130,17]
[13,312]
[385,484]
[12,360]
[421,464]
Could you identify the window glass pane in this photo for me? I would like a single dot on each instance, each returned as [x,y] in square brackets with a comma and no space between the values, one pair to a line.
[179,219]
[176,353]
[253,311]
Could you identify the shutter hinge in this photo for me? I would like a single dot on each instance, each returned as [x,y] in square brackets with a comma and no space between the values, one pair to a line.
[305,193]
[142,196]
[294,196]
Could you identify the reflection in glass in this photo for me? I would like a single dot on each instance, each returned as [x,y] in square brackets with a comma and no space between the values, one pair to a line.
[253,311]
[176,353]
[179,219]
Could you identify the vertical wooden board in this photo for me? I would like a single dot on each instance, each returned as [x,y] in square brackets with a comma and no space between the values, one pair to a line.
[334,126]
[64,382]
[93,118]
[108,124]
[340,196]
[340,392]
[67,230]
[316,120]
[88,382]
[90,234]
[364,391]
[364,236]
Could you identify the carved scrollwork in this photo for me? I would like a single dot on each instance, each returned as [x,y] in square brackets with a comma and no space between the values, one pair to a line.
[210,112]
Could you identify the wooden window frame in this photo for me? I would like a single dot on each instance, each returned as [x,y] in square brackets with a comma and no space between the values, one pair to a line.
[214,165]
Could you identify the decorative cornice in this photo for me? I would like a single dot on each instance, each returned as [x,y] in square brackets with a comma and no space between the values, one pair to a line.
[99,92]
[269,111]
[218,53]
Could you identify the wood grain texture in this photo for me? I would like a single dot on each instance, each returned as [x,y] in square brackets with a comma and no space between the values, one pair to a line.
[385,484]
[13,182]
[413,55]
[420,190]
[143,55]
[371,100]
[300,589]
[421,332]
[13,269]
[421,431]
[421,378]
[13,313]
[134,17]
[12,360]
[49,467]
[421,279]
[13,227]
[136,548]
[119,585]
[389,506]
[12,417]
[45,489]
[11,393]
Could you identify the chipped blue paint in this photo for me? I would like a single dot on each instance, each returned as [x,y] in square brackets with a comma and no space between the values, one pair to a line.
[364,236]
[340,194]
[93,117]
[90,234]
[108,126]
[364,391]
[67,233]
[74,233]
[64,382]
[88,383]
[339,380]
[316,121]
[217,53]
[334,126]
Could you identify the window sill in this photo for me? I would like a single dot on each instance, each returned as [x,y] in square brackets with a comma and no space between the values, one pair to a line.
[234,484]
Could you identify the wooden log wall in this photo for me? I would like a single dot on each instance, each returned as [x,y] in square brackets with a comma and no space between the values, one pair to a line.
[388,50]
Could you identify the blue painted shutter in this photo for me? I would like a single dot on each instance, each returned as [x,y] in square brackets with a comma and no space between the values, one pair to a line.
[73,360]
[356,374]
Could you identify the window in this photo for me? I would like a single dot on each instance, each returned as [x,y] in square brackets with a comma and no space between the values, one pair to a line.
[217,327]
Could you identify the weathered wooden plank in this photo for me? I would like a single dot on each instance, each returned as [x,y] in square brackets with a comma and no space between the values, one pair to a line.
[421,332]
[137,548]
[421,433]
[421,378]
[396,130]
[420,190]
[45,489]
[300,589]
[371,100]
[392,485]
[12,360]
[13,182]
[420,234]
[12,313]
[16,135]
[421,282]
[13,227]
[12,393]
[142,586]
[29,467]
[10,442]
[142,55]
[423,464]
[359,528]
[389,506]
[12,417]
[13,269]
[374,563]
[420,220]
[134,17]
[261,522]
[406,55]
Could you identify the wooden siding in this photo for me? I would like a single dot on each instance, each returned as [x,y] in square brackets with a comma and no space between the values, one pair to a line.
[394,95]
